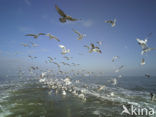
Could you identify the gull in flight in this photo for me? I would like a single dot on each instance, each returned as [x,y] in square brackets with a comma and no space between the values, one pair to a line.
[112,22]
[99,42]
[32,57]
[57,64]
[34,68]
[143,44]
[67,58]
[117,70]
[147,49]
[142,61]
[64,17]
[25,45]
[35,36]
[114,58]
[65,63]
[52,37]
[50,59]
[64,50]
[93,48]
[79,34]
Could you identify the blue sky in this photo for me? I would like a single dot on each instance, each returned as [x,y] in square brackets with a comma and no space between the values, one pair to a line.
[135,19]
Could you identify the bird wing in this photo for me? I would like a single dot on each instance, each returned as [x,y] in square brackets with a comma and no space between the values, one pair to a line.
[60,11]
[62,46]
[97,47]
[56,38]
[86,46]
[30,35]
[41,34]
[92,45]
[142,44]
[108,21]
[77,32]
[72,19]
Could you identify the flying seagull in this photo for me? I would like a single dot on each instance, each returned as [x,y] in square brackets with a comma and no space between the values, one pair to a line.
[79,34]
[35,36]
[142,61]
[99,42]
[52,37]
[50,59]
[112,22]
[143,44]
[64,17]
[93,48]
[145,50]
[57,64]
[67,58]
[25,45]
[32,57]
[64,50]
[114,58]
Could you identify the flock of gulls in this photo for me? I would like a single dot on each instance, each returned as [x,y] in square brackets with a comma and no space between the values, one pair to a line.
[64,85]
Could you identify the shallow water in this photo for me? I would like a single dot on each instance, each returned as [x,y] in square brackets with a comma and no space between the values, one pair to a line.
[29,98]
